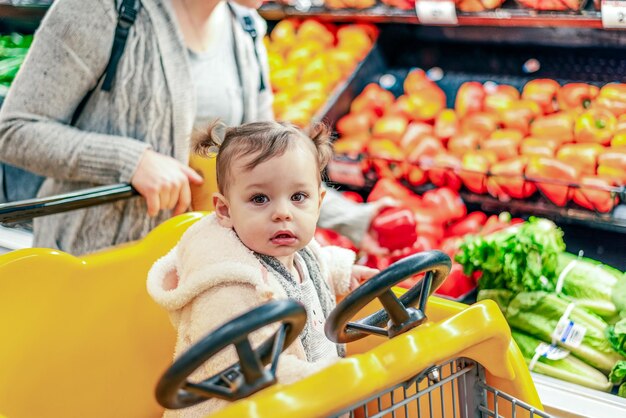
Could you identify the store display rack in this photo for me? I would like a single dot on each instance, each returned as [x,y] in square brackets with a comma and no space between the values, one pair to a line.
[510,14]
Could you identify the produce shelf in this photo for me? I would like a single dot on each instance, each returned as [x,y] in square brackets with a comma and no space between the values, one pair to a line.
[509,15]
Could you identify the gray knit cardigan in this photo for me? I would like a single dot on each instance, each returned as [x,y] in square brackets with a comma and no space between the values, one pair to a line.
[152,105]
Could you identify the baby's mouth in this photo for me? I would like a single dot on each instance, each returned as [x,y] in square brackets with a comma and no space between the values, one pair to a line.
[283,238]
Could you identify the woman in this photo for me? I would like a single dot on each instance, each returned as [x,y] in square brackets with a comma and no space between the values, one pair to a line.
[185,63]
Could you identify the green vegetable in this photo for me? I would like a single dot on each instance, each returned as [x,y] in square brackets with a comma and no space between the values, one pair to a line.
[569,368]
[618,374]
[500,296]
[589,282]
[520,258]
[619,295]
[616,335]
[538,313]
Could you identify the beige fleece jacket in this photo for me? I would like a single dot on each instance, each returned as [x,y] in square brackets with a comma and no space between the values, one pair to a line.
[210,277]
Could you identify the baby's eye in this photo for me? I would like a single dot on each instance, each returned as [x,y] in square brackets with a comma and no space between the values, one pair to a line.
[299,197]
[259,199]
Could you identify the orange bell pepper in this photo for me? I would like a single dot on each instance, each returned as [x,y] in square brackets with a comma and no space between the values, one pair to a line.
[558,126]
[474,168]
[413,133]
[446,124]
[618,175]
[387,158]
[390,127]
[481,122]
[613,97]
[373,98]
[584,156]
[504,142]
[426,104]
[351,145]
[619,139]
[428,146]
[469,98]
[519,115]
[417,80]
[464,142]
[557,175]
[509,177]
[355,123]
[595,125]
[538,147]
[595,193]
[501,98]
[576,96]
[544,92]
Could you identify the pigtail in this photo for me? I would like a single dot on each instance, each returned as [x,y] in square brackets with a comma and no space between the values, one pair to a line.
[320,134]
[209,141]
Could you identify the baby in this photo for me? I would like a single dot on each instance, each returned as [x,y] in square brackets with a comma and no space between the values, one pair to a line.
[257,246]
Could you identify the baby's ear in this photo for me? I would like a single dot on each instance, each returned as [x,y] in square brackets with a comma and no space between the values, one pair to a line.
[222,210]
[322,195]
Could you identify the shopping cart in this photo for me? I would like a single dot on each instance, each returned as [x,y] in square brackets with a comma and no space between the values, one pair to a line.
[82,338]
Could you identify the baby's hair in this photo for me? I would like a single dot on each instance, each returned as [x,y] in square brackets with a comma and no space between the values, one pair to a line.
[264,140]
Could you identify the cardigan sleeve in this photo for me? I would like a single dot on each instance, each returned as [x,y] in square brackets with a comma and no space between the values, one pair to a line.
[68,55]
[339,262]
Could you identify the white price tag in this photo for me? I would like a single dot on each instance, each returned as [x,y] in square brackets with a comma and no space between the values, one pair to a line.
[346,172]
[439,12]
[568,333]
[614,14]
[551,352]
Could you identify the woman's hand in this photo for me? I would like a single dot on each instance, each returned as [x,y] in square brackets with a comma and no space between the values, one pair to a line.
[360,274]
[164,182]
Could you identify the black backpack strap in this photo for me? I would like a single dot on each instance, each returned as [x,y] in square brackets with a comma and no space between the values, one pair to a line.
[126,16]
[247,23]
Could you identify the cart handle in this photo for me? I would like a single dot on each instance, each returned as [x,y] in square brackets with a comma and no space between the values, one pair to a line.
[32,208]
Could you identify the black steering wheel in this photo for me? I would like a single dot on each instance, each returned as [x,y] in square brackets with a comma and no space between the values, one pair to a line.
[399,315]
[243,378]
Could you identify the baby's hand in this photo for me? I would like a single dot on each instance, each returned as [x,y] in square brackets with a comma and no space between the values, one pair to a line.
[360,274]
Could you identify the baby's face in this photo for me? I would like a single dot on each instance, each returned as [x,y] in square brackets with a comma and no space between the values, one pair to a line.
[275,206]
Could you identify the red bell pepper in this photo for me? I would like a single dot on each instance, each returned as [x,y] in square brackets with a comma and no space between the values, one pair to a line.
[584,156]
[457,285]
[557,126]
[447,201]
[415,176]
[504,142]
[434,231]
[595,125]
[446,124]
[390,187]
[544,92]
[354,196]
[386,158]
[576,96]
[613,97]
[509,177]
[469,98]
[451,245]
[558,176]
[442,171]
[595,194]
[394,228]
[329,237]
[471,224]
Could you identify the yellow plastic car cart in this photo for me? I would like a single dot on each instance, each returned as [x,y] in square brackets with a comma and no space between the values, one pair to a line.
[80,337]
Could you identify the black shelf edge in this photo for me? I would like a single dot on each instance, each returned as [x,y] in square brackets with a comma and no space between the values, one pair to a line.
[568,215]
[34,12]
